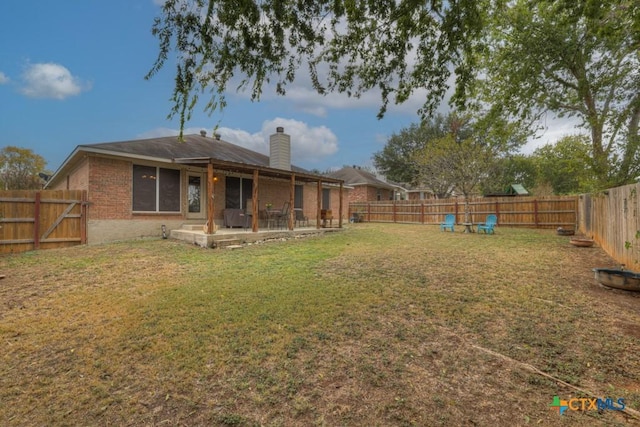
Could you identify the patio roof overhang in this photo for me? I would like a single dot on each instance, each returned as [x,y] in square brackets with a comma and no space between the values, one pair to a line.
[262,170]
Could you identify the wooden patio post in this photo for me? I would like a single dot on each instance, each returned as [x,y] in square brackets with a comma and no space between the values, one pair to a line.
[319,203]
[292,192]
[340,208]
[254,208]
[210,204]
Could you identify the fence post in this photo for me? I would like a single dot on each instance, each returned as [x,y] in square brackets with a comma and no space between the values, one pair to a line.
[36,222]
[395,218]
[422,212]
[456,210]
[535,212]
[369,212]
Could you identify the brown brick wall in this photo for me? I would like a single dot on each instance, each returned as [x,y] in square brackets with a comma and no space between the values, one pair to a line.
[359,194]
[77,179]
[366,193]
[109,188]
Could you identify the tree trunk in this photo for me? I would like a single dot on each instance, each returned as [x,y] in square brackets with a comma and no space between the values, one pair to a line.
[632,146]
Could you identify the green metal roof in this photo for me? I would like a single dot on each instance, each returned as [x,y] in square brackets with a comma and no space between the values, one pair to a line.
[518,189]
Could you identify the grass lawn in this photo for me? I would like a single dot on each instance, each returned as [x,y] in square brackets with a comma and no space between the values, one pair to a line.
[381,325]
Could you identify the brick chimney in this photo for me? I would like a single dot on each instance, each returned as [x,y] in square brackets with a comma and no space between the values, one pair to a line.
[280,150]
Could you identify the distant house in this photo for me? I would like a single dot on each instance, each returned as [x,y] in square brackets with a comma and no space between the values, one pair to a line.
[366,186]
[418,193]
[136,187]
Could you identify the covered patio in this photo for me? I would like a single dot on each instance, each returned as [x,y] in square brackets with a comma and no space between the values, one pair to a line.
[214,166]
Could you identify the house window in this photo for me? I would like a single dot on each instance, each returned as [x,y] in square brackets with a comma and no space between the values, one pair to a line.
[194,195]
[298,197]
[326,198]
[237,191]
[156,189]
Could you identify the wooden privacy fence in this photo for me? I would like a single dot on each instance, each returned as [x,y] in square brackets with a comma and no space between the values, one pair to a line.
[534,212]
[611,218]
[42,219]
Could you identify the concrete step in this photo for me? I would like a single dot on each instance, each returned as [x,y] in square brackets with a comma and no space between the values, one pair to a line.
[196,237]
[225,243]
[193,227]
[234,247]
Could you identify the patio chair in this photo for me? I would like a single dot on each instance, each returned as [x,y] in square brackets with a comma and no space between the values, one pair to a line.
[300,217]
[488,225]
[282,219]
[449,222]
[326,215]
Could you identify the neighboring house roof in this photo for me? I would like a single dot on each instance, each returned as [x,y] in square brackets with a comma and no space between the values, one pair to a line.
[195,149]
[416,188]
[355,176]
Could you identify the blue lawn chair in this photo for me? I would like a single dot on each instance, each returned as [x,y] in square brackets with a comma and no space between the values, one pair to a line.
[449,221]
[488,225]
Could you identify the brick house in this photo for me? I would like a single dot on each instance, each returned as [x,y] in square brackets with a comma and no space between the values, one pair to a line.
[366,187]
[136,187]
[419,193]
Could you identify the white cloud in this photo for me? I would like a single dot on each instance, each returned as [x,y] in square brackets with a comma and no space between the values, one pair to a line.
[252,141]
[553,129]
[308,144]
[50,81]
[3,78]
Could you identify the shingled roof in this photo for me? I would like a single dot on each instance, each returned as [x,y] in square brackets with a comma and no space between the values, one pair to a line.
[194,146]
[196,150]
[354,176]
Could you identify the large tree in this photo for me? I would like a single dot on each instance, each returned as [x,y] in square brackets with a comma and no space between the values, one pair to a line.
[571,58]
[454,163]
[20,169]
[511,169]
[566,166]
[395,159]
[394,46]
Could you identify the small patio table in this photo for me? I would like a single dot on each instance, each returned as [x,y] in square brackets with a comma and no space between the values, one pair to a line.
[272,217]
[468,227]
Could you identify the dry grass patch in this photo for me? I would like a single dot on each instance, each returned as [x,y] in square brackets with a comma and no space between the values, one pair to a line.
[380,325]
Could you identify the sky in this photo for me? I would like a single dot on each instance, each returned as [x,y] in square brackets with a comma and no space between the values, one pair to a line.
[72,73]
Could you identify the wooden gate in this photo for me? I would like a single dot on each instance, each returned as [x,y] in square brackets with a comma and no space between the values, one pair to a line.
[44,219]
